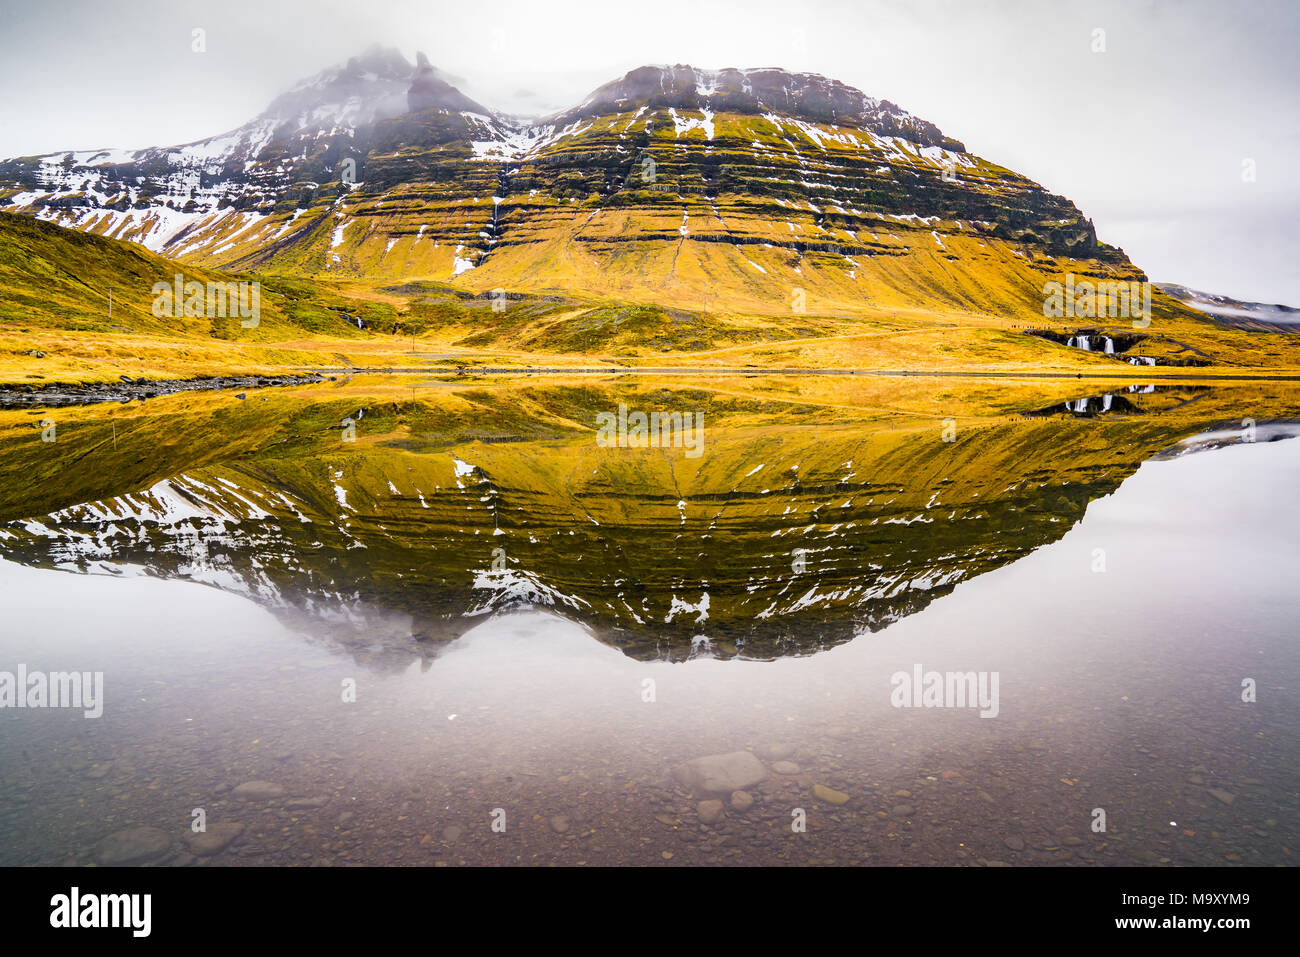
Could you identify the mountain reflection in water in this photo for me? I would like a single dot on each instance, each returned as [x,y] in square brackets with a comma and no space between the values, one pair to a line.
[389,518]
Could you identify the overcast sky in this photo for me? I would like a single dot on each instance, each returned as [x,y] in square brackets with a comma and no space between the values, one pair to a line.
[1148,138]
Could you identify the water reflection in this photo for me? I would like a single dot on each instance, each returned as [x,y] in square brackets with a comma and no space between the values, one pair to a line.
[1122,401]
[798,528]
[1122,574]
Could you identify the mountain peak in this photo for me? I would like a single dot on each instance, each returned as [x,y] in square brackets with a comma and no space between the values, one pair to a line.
[361,90]
[429,90]
[806,96]
[375,85]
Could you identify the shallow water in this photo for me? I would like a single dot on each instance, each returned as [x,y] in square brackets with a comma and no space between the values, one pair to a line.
[539,630]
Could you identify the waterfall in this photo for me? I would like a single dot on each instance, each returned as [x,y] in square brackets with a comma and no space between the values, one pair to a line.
[1105,402]
[1110,346]
[1083,344]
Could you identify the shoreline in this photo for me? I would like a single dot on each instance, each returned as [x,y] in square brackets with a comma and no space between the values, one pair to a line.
[56,395]
[731,371]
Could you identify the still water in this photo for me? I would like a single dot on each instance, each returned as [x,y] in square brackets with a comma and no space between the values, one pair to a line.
[437,623]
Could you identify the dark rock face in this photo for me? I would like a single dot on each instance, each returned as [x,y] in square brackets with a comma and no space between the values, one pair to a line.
[802,95]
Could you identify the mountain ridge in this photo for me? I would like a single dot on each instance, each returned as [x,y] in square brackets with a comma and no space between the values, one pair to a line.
[215,196]
[1240,313]
[810,96]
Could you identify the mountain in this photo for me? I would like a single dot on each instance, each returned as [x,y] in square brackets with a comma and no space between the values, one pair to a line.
[729,188]
[1257,316]
[180,199]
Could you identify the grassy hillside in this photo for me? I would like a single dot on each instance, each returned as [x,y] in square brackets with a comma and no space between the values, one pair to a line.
[56,327]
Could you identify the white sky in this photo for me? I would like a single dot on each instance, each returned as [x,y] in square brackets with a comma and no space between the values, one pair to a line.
[1147,138]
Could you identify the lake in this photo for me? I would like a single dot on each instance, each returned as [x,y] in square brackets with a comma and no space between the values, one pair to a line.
[451,620]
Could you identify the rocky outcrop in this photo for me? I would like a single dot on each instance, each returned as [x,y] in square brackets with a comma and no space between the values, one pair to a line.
[430,92]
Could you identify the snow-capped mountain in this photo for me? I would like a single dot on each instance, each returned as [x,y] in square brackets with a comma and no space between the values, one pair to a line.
[669,180]
[1260,316]
[159,197]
